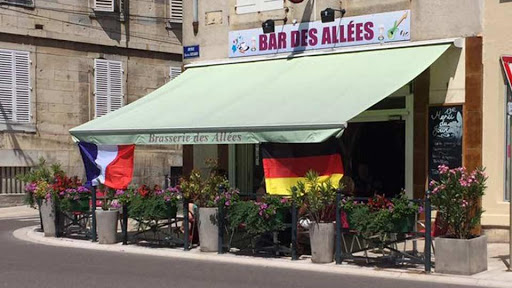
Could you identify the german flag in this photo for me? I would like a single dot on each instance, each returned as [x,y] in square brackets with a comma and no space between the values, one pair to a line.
[286,164]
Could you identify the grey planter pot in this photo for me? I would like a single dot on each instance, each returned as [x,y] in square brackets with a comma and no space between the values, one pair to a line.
[321,237]
[106,222]
[48,214]
[208,229]
[461,256]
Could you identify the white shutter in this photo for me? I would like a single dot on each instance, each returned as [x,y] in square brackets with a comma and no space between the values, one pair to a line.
[176,11]
[6,85]
[267,5]
[246,6]
[115,70]
[14,86]
[101,87]
[174,72]
[252,6]
[108,86]
[22,86]
[104,5]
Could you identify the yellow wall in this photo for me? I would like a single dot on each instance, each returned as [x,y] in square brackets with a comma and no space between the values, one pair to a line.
[497,40]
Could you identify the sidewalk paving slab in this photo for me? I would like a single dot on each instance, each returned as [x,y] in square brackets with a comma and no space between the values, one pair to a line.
[496,276]
[18,212]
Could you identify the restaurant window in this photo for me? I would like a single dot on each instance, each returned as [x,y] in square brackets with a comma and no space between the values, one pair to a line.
[108,86]
[248,168]
[253,6]
[14,86]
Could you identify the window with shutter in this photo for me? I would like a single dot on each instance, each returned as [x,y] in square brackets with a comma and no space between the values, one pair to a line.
[252,6]
[14,86]
[175,72]
[176,11]
[104,5]
[108,86]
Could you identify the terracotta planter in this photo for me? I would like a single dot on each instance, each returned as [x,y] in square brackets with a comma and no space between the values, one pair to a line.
[321,237]
[461,256]
[106,223]
[208,229]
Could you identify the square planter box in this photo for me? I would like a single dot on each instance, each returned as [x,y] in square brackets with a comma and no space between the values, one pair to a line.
[461,256]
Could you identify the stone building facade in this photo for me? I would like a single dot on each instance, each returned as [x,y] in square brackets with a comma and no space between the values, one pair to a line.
[53,48]
[469,74]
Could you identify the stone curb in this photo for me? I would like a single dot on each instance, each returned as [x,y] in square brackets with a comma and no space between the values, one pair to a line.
[30,234]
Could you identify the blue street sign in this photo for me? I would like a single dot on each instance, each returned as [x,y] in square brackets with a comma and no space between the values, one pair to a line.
[190,51]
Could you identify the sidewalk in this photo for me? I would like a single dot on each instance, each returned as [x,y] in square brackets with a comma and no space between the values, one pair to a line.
[496,276]
[18,212]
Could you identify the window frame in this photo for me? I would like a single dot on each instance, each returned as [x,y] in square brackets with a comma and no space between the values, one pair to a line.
[174,72]
[96,9]
[108,94]
[6,124]
[173,18]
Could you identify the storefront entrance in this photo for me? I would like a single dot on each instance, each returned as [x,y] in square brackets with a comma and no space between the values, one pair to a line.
[374,157]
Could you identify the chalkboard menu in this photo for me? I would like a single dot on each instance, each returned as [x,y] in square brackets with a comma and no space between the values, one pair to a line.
[445,138]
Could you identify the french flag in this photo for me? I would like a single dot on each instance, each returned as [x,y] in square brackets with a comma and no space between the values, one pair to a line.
[111,165]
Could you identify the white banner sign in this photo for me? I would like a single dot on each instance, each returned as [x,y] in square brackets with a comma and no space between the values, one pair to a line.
[347,31]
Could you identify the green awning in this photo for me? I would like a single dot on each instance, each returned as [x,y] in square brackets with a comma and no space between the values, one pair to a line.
[295,100]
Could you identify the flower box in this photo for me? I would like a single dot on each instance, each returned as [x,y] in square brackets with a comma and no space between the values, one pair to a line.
[80,205]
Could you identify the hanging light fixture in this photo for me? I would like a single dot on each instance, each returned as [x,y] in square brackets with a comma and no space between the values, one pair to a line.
[268,26]
[327,15]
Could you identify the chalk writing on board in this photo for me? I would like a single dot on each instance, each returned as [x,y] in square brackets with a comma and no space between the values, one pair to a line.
[445,138]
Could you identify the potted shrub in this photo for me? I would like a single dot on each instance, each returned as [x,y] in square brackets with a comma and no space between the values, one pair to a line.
[106,218]
[40,193]
[256,218]
[456,196]
[317,198]
[75,199]
[380,215]
[150,206]
[203,192]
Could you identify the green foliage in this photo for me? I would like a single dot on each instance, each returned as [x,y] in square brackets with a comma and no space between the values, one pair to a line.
[201,191]
[316,196]
[380,215]
[456,196]
[259,217]
[38,181]
[152,205]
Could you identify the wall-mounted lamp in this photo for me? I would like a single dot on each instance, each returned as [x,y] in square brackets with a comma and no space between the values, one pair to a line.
[269,26]
[327,15]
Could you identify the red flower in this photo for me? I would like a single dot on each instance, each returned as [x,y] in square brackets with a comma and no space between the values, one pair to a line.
[143,190]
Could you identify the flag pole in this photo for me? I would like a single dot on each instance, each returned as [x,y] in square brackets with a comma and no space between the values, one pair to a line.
[93,214]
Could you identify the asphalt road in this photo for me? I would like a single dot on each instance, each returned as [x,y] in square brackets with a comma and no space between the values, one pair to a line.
[25,264]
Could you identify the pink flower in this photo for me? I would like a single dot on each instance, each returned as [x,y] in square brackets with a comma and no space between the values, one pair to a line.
[284,200]
[115,204]
[443,169]
[228,203]
[464,203]
[119,192]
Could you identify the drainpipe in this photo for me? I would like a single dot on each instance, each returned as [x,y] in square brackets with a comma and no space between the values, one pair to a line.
[195,12]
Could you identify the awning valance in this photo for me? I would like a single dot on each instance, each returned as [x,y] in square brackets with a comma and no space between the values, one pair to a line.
[296,100]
